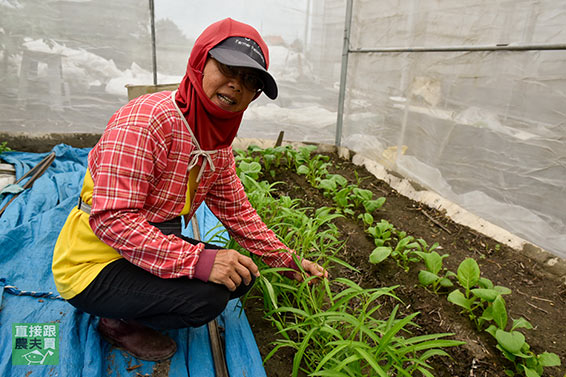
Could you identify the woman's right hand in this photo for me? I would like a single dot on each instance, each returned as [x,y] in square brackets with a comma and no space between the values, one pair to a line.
[230,268]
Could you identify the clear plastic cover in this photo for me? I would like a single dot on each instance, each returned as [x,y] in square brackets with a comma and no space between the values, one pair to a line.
[63,64]
[482,128]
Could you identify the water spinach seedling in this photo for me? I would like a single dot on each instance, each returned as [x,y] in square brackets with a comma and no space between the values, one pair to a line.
[4,147]
[314,168]
[360,195]
[381,232]
[404,251]
[515,348]
[366,218]
[302,156]
[485,305]
[364,198]
[273,156]
[513,345]
[435,276]
[479,294]
[425,248]
[373,205]
[331,183]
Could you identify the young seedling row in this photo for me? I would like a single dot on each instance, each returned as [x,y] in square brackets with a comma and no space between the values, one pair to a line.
[333,327]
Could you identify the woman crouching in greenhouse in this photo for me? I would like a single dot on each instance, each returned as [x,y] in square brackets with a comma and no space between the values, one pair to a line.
[120,254]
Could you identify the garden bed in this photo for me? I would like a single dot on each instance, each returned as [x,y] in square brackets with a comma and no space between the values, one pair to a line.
[537,295]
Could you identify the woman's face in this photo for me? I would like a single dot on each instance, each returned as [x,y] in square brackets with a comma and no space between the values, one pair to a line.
[227,92]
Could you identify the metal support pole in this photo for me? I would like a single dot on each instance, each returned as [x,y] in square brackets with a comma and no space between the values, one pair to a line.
[307,24]
[153,48]
[344,71]
[499,47]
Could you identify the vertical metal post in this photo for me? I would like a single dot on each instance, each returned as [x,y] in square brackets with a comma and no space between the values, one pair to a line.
[344,71]
[307,25]
[153,48]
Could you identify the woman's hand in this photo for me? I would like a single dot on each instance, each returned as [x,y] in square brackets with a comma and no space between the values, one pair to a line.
[230,268]
[312,269]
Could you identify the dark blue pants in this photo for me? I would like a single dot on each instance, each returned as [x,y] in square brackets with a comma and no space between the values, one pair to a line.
[124,290]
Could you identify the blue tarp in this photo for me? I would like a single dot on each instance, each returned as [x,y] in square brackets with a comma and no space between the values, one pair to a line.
[28,232]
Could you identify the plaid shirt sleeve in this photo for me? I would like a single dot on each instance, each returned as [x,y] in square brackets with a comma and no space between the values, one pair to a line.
[124,166]
[228,201]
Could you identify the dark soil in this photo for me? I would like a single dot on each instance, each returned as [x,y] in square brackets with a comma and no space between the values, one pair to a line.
[538,296]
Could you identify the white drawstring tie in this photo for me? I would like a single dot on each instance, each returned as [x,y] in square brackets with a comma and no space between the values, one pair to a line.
[207,158]
[197,153]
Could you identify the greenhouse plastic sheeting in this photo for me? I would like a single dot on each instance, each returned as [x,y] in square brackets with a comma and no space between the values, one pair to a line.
[484,129]
[28,231]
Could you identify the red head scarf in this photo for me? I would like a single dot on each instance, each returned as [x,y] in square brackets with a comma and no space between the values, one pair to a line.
[212,126]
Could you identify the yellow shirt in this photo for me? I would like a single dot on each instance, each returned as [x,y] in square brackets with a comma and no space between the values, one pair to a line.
[79,255]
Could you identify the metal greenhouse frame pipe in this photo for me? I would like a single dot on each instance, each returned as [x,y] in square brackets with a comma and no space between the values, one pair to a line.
[499,47]
[153,48]
[344,72]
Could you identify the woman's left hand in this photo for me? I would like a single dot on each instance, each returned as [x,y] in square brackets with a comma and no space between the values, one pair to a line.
[312,269]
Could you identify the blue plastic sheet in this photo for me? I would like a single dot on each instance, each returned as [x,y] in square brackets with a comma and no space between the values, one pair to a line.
[28,232]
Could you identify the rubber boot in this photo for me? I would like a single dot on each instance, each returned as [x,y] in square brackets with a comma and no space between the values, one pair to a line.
[140,341]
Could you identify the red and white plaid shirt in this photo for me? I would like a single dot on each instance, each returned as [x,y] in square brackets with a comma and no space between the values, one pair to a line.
[140,173]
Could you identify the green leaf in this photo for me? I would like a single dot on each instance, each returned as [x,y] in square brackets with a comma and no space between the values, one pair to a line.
[350,212]
[337,348]
[379,254]
[433,352]
[487,314]
[373,205]
[426,278]
[329,373]
[412,245]
[433,261]
[251,168]
[508,355]
[458,298]
[272,297]
[510,341]
[425,372]
[300,352]
[446,283]
[532,362]
[530,372]
[435,245]
[254,148]
[485,294]
[327,185]
[386,339]
[549,359]
[499,312]
[468,273]
[491,330]
[362,193]
[485,283]
[521,323]
[371,361]
[502,290]
[303,169]
[367,218]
